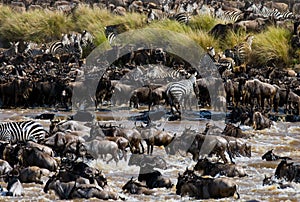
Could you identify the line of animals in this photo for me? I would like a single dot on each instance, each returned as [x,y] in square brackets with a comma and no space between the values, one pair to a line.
[59,160]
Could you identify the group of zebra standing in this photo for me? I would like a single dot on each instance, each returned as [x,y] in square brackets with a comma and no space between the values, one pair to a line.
[251,11]
[74,43]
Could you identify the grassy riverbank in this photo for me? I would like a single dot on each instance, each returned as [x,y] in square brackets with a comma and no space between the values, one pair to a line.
[43,26]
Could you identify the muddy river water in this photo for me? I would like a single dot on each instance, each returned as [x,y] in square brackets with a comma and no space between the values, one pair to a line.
[283,137]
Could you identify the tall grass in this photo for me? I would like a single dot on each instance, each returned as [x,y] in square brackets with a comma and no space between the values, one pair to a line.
[203,22]
[44,26]
[272,46]
[39,26]
[95,19]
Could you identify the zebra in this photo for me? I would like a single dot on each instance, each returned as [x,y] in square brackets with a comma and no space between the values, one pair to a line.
[56,48]
[182,17]
[229,16]
[288,15]
[156,14]
[177,92]
[160,72]
[243,50]
[69,44]
[87,41]
[112,31]
[266,12]
[12,51]
[33,50]
[23,131]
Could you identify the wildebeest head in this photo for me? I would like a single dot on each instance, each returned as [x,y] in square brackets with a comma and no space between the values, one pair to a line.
[270,156]
[285,170]
[202,165]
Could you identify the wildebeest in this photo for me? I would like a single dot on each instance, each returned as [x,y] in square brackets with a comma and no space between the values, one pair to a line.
[204,188]
[68,125]
[155,137]
[288,171]
[132,135]
[270,156]
[281,185]
[206,167]
[260,121]
[234,131]
[140,96]
[135,187]
[147,173]
[31,174]
[73,190]
[221,30]
[5,168]
[59,142]
[14,186]
[210,144]
[34,157]
[293,101]
[101,148]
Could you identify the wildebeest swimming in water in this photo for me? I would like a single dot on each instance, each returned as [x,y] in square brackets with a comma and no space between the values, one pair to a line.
[288,171]
[270,156]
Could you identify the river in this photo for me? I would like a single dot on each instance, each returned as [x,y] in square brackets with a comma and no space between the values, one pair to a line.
[283,137]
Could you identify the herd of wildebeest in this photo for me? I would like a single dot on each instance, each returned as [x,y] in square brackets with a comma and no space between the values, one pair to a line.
[43,77]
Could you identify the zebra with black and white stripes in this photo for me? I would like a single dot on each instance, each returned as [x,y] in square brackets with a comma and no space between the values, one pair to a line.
[112,32]
[229,16]
[69,44]
[87,42]
[182,17]
[14,132]
[266,12]
[178,92]
[243,50]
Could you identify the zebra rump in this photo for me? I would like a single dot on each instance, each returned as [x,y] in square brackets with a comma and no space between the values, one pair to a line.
[14,132]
